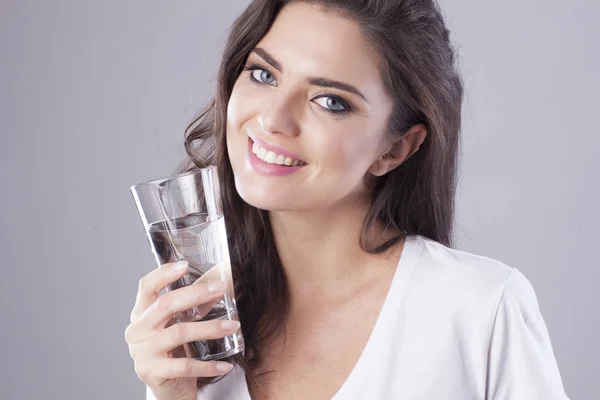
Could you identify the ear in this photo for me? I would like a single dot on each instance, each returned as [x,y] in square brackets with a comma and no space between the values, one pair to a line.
[399,150]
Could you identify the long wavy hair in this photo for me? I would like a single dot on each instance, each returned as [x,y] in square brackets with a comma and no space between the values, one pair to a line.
[417,64]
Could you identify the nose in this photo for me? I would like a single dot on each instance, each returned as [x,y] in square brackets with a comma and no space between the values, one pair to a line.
[279,115]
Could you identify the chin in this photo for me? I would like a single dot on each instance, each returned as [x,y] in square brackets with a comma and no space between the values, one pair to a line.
[263,198]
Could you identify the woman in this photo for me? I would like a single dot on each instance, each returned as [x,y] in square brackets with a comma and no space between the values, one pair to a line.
[335,129]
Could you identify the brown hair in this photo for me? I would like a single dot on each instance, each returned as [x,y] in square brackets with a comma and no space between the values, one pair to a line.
[417,64]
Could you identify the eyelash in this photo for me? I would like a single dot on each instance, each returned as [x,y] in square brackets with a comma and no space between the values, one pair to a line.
[347,108]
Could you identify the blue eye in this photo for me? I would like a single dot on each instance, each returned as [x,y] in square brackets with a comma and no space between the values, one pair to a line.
[333,104]
[262,76]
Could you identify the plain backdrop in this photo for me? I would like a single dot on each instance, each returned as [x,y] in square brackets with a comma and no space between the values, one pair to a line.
[94,97]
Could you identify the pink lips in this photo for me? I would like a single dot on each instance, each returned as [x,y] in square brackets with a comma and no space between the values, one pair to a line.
[271,169]
[275,149]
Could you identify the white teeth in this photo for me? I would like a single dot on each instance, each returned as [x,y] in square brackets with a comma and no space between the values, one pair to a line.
[270,158]
[274,158]
[261,153]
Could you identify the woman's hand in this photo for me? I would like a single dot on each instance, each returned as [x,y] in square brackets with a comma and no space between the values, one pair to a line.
[155,341]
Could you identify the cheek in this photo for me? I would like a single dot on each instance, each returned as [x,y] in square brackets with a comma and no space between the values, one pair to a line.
[348,146]
[237,109]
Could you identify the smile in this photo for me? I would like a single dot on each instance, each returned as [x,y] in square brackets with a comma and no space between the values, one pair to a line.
[270,157]
[269,163]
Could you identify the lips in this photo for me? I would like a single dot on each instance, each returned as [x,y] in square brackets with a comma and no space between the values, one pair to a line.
[267,169]
[276,149]
[272,158]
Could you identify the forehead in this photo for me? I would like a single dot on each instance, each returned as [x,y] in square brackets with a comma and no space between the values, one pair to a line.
[309,41]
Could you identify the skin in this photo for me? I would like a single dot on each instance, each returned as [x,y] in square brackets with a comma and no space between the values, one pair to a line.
[317,212]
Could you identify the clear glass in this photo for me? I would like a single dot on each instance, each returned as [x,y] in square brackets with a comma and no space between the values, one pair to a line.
[183,219]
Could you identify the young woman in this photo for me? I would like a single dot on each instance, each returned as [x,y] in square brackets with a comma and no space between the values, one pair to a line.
[335,129]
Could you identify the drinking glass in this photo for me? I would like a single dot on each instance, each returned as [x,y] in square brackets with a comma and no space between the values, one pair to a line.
[183,219]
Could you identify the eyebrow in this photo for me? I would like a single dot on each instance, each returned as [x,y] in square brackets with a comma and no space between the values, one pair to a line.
[322,82]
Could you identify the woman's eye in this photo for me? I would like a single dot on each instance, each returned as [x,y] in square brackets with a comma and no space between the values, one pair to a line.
[332,104]
[262,76]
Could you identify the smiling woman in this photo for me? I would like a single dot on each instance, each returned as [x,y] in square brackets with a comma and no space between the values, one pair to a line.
[300,94]
[335,131]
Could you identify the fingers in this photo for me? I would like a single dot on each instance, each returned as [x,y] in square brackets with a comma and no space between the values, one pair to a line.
[165,306]
[152,336]
[171,368]
[155,281]
[186,332]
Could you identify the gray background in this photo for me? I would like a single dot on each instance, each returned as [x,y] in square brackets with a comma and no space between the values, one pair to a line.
[94,97]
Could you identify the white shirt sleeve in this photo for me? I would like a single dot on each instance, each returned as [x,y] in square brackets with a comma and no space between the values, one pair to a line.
[521,362]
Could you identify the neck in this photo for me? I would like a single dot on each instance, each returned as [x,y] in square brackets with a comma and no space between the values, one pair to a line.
[320,250]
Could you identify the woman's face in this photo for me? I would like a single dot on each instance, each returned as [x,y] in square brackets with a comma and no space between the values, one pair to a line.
[310,96]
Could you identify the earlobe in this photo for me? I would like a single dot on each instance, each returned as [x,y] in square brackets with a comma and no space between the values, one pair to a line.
[399,151]
[385,163]
[377,168]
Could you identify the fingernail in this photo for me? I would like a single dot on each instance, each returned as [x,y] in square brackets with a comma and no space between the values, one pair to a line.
[179,266]
[229,325]
[224,367]
[216,287]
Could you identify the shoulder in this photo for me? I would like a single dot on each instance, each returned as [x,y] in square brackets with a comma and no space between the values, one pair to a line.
[490,311]
[457,270]
[454,280]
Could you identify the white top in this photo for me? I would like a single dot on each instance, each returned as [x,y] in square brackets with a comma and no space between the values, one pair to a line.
[454,326]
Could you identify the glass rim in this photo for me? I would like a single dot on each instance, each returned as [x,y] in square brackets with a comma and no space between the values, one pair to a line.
[156,181]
